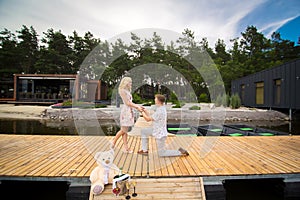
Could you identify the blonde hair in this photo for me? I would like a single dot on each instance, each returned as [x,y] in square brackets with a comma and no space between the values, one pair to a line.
[124,84]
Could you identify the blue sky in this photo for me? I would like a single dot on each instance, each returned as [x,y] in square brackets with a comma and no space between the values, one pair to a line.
[213,19]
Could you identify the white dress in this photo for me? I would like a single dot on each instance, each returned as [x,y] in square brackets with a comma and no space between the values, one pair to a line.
[126,116]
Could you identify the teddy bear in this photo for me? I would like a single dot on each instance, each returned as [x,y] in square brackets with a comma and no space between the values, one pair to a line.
[104,172]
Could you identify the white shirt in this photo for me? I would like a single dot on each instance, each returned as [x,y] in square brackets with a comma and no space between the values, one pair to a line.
[160,122]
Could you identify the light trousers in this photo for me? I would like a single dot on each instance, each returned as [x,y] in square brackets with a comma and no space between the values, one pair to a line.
[161,144]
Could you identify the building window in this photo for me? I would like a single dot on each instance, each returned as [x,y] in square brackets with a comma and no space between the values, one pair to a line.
[260,93]
[243,93]
[277,91]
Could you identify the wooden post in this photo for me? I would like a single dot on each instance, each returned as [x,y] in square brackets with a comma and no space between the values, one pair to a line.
[99,97]
[76,88]
[15,87]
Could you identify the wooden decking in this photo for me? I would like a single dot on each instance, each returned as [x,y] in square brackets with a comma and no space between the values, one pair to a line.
[162,188]
[72,156]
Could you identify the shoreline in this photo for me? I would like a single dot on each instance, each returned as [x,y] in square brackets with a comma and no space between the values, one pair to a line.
[206,114]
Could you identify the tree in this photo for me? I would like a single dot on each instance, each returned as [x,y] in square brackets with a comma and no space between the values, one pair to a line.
[60,54]
[282,50]
[221,57]
[9,59]
[55,55]
[255,46]
[81,47]
[28,49]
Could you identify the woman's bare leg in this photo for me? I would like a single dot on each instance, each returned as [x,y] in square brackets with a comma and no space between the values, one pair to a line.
[116,138]
[125,137]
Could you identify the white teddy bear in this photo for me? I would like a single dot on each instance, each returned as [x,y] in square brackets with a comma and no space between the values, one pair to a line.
[104,172]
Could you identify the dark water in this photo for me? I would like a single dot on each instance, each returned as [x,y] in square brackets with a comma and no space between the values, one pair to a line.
[47,127]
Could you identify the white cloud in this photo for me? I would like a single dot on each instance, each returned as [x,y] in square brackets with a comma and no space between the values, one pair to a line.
[269,29]
[212,19]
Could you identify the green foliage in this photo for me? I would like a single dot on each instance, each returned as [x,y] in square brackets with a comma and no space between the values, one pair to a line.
[75,103]
[223,100]
[203,98]
[60,54]
[218,101]
[67,103]
[227,100]
[178,105]
[195,108]
[149,103]
[82,104]
[100,105]
[235,101]
[136,98]
[173,98]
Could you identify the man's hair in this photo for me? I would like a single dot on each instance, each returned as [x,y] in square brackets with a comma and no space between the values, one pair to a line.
[160,98]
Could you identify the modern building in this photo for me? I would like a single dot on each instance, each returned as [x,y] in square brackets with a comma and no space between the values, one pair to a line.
[53,88]
[277,87]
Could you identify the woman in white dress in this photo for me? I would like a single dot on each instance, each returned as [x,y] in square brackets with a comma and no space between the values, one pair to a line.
[126,116]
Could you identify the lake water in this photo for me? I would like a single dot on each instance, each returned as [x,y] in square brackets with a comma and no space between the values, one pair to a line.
[110,128]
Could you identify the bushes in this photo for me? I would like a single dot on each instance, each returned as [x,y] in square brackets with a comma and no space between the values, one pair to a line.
[203,98]
[195,108]
[136,98]
[235,101]
[225,100]
[178,105]
[149,103]
[100,106]
[173,98]
[81,104]
[67,103]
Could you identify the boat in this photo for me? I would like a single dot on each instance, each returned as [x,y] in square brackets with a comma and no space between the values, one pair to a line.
[255,131]
[228,131]
[210,130]
[220,130]
[233,130]
[183,130]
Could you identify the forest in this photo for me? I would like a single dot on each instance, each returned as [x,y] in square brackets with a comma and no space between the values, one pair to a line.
[24,51]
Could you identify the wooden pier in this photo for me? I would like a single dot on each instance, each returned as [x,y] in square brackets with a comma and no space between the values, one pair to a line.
[70,158]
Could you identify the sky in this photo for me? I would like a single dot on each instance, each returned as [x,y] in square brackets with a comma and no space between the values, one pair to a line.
[213,19]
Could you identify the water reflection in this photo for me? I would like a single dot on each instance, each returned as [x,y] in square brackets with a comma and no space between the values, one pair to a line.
[47,127]
[109,128]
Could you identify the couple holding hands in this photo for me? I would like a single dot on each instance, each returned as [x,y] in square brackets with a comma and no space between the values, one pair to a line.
[159,119]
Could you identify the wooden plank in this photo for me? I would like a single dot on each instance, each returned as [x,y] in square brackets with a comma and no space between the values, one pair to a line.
[155,168]
[86,167]
[162,188]
[195,161]
[272,156]
[234,161]
[72,156]
[27,158]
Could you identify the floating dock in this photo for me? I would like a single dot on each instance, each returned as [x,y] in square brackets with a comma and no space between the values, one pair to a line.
[70,158]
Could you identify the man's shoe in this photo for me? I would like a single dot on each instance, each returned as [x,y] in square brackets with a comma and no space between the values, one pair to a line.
[183,151]
[142,152]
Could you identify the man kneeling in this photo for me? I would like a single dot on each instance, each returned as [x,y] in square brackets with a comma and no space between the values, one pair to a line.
[159,130]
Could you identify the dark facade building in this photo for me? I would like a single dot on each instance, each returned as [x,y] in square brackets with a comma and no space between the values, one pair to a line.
[54,88]
[277,87]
